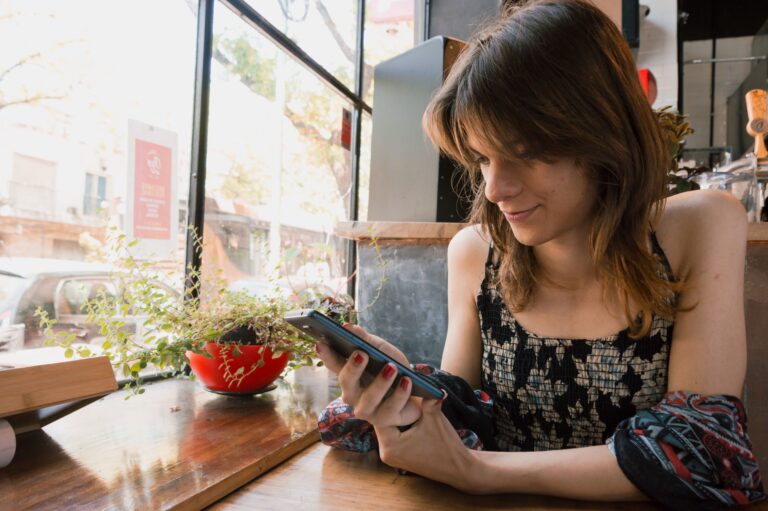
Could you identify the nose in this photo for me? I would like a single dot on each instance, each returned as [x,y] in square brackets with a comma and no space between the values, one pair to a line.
[501,182]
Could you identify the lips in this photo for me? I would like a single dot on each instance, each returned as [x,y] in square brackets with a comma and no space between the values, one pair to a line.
[520,215]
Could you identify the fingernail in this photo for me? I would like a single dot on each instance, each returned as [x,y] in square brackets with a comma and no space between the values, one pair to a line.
[388,372]
[404,383]
[358,358]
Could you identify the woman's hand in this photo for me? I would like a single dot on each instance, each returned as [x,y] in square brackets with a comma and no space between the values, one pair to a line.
[430,448]
[368,403]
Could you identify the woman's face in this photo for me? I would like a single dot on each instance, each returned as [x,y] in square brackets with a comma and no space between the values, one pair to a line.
[542,201]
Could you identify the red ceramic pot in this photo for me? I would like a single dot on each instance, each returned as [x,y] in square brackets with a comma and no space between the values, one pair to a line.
[220,373]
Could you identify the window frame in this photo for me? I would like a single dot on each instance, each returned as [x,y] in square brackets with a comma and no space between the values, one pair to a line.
[202,84]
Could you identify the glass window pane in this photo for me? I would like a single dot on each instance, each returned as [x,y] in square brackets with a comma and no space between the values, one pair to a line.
[325,29]
[388,32]
[365,168]
[72,76]
[278,169]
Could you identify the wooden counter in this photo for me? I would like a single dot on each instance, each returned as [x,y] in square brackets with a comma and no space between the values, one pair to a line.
[177,446]
[321,478]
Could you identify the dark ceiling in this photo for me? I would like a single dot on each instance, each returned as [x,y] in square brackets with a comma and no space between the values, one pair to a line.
[708,19]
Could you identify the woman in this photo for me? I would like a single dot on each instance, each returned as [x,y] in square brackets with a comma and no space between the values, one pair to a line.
[605,324]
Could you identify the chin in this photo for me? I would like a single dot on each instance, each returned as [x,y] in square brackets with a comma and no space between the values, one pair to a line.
[529,237]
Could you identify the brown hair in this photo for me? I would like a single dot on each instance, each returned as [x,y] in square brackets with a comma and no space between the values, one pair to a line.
[556,79]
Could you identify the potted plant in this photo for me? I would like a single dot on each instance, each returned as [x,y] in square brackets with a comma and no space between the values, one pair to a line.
[675,127]
[234,342]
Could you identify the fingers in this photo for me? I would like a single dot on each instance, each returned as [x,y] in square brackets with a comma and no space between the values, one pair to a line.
[400,409]
[332,360]
[432,406]
[349,377]
[370,398]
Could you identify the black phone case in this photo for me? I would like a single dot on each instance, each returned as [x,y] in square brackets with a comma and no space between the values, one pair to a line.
[321,327]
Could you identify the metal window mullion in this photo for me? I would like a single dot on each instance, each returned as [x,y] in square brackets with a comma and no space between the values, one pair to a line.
[265,28]
[357,120]
[196,202]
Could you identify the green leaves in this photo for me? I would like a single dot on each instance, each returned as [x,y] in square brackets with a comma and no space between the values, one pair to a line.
[675,128]
[145,324]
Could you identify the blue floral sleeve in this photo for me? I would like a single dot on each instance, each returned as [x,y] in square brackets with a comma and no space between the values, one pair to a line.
[690,452]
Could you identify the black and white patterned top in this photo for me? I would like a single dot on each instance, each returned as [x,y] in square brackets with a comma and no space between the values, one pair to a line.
[551,393]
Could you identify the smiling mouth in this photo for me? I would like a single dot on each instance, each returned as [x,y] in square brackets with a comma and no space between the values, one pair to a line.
[518,216]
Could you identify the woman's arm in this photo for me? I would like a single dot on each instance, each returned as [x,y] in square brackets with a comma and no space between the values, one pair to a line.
[708,354]
[588,473]
[462,352]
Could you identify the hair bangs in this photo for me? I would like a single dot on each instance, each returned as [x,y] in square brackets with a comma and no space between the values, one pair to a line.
[477,116]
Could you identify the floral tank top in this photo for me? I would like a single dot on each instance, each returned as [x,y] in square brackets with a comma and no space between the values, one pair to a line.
[551,393]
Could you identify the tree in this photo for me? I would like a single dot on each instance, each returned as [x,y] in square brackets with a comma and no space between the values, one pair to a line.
[309,112]
[19,94]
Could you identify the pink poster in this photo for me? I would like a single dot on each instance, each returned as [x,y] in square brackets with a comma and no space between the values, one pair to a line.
[152,191]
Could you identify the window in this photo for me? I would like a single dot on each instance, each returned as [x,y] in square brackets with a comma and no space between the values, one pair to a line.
[281,159]
[278,171]
[95,193]
[69,86]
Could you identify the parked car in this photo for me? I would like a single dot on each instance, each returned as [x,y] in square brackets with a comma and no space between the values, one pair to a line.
[61,288]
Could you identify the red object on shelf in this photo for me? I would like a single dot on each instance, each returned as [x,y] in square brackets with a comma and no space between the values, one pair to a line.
[212,371]
[346,129]
[648,81]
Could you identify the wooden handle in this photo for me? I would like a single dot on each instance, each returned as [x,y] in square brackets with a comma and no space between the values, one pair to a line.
[758,120]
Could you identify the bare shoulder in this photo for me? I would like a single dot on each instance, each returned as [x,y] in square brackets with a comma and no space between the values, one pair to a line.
[696,223]
[467,253]
[470,245]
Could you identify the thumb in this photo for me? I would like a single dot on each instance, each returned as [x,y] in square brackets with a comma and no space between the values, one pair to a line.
[433,406]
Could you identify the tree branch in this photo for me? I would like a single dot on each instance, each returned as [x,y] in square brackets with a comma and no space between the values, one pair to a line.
[33,99]
[20,62]
[345,49]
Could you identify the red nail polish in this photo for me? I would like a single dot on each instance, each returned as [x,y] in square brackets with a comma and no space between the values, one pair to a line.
[404,383]
[388,372]
[358,358]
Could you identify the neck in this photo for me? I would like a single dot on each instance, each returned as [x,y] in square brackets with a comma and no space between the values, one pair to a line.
[566,262]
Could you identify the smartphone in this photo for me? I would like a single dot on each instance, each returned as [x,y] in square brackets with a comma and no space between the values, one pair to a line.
[320,327]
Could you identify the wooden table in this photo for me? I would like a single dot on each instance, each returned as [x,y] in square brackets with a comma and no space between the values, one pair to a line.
[181,447]
[322,478]
[177,446]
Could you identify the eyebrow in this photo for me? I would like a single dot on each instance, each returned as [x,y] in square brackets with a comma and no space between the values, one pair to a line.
[472,150]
